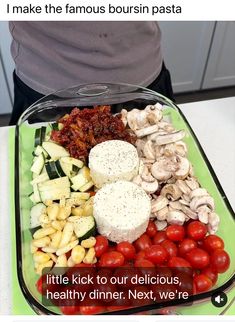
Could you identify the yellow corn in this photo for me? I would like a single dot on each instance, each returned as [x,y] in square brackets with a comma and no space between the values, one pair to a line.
[67,248]
[78,253]
[90,256]
[43,232]
[53,211]
[42,242]
[88,243]
[41,257]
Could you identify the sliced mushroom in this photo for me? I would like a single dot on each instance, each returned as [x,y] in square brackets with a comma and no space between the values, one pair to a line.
[137,180]
[183,170]
[137,119]
[175,205]
[162,213]
[203,214]
[146,175]
[140,143]
[175,217]
[154,114]
[124,116]
[189,213]
[148,161]
[149,187]
[181,148]
[213,224]
[159,203]
[148,150]
[171,191]
[199,192]
[166,126]
[153,136]
[192,183]
[161,224]
[197,202]
[184,202]
[183,186]
[163,139]
[159,172]
[146,130]
[186,198]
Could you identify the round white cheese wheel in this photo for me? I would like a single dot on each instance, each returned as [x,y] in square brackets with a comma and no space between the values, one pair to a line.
[121,210]
[113,160]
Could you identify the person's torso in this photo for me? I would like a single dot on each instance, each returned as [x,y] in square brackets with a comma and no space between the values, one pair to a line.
[54,55]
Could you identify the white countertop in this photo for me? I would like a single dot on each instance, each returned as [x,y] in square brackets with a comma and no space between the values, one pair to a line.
[214,125]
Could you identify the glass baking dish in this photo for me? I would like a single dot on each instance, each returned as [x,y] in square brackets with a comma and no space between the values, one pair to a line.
[51,108]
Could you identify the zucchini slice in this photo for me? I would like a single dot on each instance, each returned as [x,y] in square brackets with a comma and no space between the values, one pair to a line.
[38,164]
[55,151]
[55,194]
[52,170]
[78,163]
[36,194]
[58,183]
[41,178]
[84,227]
[39,136]
[39,150]
[64,169]
[35,213]
[87,186]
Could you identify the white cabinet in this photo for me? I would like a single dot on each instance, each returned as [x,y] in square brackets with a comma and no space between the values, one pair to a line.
[220,69]
[186,45]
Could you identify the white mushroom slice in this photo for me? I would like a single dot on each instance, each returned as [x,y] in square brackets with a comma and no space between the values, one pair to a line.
[199,192]
[197,202]
[153,136]
[162,213]
[140,143]
[183,186]
[171,191]
[159,172]
[213,224]
[192,183]
[148,150]
[183,170]
[154,114]
[146,175]
[159,203]
[181,148]
[171,180]
[175,217]
[146,131]
[166,126]
[137,119]
[150,187]
[124,116]
[163,139]
[184,202]
[189,213]
[186,198]
[175,205]
[159,151]
[203,214]
[148,161]
[161,224]
[191,171]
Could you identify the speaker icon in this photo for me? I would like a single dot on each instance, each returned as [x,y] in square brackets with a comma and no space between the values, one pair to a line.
[219,299]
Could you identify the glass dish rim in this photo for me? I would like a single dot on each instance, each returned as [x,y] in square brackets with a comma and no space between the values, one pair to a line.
[38,306]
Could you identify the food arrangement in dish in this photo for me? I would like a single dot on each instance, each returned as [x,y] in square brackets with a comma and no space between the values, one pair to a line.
[115,190]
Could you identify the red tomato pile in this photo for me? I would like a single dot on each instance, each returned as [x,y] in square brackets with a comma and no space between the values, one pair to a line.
[177,246]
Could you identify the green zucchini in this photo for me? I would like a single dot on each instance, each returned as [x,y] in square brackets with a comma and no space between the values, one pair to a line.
[85,227]
[52,170]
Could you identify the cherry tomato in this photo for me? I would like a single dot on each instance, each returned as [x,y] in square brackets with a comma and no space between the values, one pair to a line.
[127,250]
[70,309]
[175,232]
[159,237]
[39,284]
[151,229]
[211,273]
[101,245]
[220,260]
[143,242]
[143,263]
[91,309]
[140,254]
[198,258]
[213,242]
[202,283]
[170,247]
[112,259]
[107,288]
[196,230]
[156,254]
[186,245]
[178,262]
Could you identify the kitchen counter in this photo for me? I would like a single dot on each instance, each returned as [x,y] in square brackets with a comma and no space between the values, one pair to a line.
[214,125]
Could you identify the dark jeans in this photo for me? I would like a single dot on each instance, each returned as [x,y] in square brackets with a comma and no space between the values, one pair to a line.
[24,96]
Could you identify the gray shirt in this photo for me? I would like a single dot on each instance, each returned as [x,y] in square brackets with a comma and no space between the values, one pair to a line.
[55,55]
